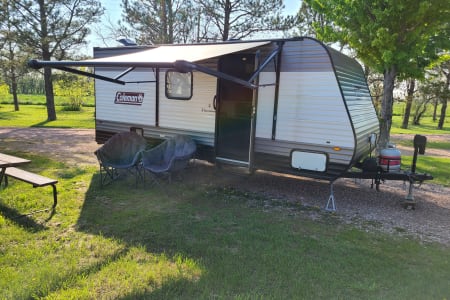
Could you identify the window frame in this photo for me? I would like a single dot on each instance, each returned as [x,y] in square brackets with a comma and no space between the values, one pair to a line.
[166,86]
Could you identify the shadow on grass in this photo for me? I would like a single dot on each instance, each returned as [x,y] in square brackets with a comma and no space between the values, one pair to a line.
[25,221]
[241,239]
[47,124]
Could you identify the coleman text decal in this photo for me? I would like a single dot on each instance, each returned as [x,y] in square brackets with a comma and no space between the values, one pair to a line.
[130,98]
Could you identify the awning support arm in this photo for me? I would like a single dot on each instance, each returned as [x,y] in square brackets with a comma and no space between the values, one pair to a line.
[185,66]
[265,63]
[88,74]
[124,73]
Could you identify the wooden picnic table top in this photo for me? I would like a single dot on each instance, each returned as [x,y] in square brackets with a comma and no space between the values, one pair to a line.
[11,161]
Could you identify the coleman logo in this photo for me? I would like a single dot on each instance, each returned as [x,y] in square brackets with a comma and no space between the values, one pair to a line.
[129,98]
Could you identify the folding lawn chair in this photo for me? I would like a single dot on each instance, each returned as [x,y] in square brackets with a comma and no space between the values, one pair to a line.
[170,156]
[121,151]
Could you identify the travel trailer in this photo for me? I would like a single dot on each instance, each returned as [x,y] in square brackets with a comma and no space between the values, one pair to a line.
[293,106]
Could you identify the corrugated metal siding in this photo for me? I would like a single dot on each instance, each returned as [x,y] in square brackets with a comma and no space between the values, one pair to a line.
[358,100]
[105,93]
[265,105]
[310,110]
[305,55]
[195,114]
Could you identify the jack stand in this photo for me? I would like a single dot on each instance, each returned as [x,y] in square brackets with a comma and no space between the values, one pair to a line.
[331,205]
[409,200]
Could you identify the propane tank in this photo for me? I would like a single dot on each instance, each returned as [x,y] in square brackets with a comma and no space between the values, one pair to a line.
[390,159]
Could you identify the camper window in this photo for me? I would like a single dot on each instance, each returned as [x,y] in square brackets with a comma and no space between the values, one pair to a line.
[178,85]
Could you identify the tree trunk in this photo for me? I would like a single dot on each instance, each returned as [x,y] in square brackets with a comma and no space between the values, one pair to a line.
[444,103]
[409,100]
[14,91]
[386,106]
[226,21]
[51,113]
[435,104]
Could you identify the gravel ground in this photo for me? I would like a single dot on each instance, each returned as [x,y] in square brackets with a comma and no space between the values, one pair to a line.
[356,202]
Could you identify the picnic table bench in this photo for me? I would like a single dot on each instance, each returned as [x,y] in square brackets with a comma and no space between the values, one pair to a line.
[7,169]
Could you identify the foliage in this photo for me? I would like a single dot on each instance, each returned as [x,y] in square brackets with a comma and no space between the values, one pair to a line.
[440,84]
[76,88]
[308,19]
[11,55]
[31,83]
[153,21]
[49,29]
[4,90]
[240,19]
[393,37]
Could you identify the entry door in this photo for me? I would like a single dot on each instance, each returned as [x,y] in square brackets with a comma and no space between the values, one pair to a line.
[234,110]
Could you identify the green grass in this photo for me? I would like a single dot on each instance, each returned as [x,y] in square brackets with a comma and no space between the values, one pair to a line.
[36,115]
[427,125]
[197,242]
[436,166]
[430,144]
[27,99]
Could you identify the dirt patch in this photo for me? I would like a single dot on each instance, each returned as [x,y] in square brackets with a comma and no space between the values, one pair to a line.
[72,146]
[357,203]
[428,151]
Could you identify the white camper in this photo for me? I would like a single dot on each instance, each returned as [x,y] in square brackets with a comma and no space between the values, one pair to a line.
[293,106]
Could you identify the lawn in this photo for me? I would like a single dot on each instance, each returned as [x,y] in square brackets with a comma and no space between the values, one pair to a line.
[195,240]
[36,115]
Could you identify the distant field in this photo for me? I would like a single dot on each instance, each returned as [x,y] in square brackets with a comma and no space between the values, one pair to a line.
[36,115]
[40,100]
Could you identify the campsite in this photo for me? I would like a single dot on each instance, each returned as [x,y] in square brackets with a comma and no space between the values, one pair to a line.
[216,234]
[232,149]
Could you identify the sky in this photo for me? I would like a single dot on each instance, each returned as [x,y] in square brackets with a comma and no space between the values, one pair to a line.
[113,12]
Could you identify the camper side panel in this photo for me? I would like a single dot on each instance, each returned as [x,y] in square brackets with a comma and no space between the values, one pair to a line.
[310,115]
[194,116]
[123,103]
[358,100]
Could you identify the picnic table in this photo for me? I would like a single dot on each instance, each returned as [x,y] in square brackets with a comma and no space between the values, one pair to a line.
[8,164]
[7,161]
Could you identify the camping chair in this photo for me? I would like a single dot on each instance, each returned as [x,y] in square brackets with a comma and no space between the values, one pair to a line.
[121,151]
[169,157]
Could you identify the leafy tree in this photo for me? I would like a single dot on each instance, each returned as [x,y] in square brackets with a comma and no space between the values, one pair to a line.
[75,88]
[4,90]
[158,21]
[395,37]
[51,28]
[181,21]
[236,19]
[306,18]
[12,59]
[439,85]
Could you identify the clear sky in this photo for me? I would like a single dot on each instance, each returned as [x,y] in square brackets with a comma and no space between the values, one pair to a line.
[113,13]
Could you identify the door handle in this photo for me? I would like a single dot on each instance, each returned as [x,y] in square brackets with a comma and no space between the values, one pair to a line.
[215,102]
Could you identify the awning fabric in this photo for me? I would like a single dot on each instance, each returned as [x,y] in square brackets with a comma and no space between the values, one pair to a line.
[159,56]
[170,54]
[180,57]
